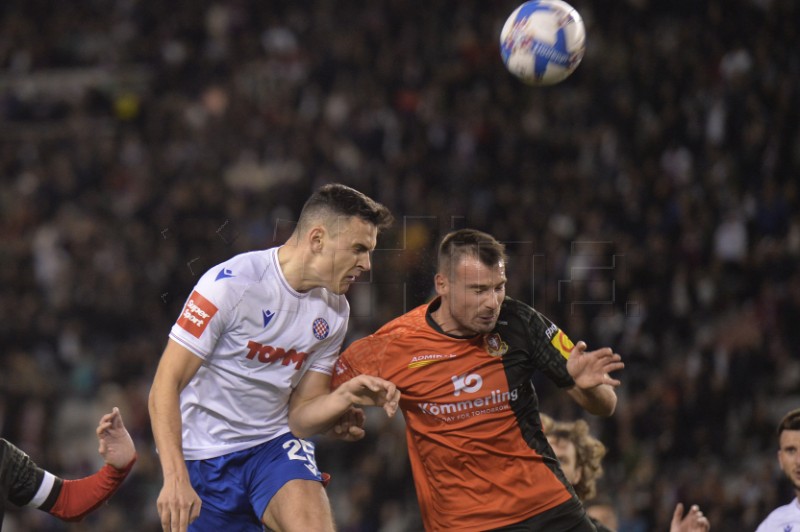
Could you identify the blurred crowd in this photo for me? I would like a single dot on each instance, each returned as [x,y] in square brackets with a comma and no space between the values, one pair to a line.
[650,202]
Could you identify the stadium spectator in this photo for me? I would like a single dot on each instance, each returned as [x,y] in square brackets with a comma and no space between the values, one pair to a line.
[580,455]
[788,516]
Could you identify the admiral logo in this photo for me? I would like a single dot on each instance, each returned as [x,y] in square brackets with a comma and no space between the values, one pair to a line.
[196,314]
[425,360]
[266,354]
[224,273]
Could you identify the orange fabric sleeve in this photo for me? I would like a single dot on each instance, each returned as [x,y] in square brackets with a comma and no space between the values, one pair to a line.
[78,498]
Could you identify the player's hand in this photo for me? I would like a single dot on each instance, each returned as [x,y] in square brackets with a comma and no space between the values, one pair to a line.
[178,505]
[116,445]
[592,368]
[349,427]
[367,390]
[694,521]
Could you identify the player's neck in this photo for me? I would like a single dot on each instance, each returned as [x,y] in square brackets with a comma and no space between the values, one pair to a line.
[448,325]
[293,262]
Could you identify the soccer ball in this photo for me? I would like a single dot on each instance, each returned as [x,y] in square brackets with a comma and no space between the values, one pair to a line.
[542,41]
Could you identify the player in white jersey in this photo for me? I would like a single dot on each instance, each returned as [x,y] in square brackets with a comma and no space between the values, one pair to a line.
[787,518]
[246,375]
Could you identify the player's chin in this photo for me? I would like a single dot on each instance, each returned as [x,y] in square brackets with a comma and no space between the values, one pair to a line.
[342,288]
[483,326]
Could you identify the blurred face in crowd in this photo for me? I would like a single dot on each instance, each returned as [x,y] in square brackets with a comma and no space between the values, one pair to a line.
[568,457]
[471,296]
[789,457]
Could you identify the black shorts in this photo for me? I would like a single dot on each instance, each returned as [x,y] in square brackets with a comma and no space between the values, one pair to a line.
[567,517]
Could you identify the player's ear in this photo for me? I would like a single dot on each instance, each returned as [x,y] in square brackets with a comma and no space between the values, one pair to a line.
[316,238]
[441,284]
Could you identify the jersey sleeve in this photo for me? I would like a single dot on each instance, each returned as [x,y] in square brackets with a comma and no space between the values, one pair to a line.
[23,482]
[79,498]
[361,357]
[205,314]
[550,348]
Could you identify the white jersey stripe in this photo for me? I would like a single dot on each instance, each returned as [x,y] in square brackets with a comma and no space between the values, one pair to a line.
[43,492]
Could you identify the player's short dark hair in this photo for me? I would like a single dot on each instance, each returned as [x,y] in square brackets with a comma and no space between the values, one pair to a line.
[469,242]
[336,200]
[791,421]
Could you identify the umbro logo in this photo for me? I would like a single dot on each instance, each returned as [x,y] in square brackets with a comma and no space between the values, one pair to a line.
[224,273]
[268,315]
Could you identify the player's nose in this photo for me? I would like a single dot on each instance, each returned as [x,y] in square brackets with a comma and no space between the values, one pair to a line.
[365,262]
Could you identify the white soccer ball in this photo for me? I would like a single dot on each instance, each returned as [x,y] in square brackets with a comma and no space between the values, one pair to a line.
[542,41]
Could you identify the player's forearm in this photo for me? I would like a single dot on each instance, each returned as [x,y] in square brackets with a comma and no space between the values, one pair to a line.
[165,420]
[600,400]
[317,415]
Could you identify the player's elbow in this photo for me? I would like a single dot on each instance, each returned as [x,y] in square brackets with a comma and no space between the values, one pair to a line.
[606,411]
[299,429]
[604,407]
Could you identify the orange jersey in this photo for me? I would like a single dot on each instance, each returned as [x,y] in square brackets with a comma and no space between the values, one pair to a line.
[476,447]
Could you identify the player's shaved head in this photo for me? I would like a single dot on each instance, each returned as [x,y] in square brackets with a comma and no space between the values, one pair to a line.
[468,242]
[330,203]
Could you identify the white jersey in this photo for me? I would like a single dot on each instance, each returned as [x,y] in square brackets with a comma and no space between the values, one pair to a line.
[782,519]
[257,337]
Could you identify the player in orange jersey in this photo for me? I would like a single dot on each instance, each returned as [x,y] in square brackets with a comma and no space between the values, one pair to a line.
[464,364]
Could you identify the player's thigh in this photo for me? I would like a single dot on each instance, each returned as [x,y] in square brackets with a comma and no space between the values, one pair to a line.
[285,486]
[299,506]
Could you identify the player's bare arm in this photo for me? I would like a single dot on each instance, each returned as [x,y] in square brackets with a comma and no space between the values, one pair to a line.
[178,504]
[594,387]
[314,409]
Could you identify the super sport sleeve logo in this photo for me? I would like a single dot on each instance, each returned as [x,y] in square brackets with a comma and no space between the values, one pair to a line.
[562,343]
[196,314]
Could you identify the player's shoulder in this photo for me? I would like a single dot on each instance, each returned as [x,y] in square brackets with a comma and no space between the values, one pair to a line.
[780,516]
[225,284]
[412,320]
[239,271]
[514,310]
[246,267]
[395,330]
